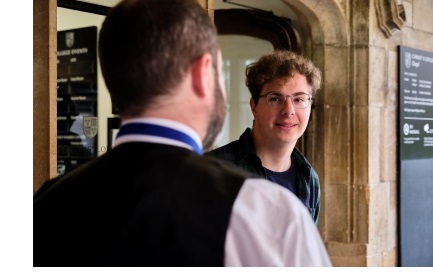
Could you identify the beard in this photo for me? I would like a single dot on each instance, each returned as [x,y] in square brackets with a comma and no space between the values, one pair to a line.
[216,120]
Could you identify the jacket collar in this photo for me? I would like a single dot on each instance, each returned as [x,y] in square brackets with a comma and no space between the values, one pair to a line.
[248,149]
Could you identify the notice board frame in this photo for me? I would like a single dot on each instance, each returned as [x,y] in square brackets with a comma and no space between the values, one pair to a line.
[415,168]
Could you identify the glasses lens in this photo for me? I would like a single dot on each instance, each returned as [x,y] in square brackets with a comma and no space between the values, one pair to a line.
[301,101]
[275,99]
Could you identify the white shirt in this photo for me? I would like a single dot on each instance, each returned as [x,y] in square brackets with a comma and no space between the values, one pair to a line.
[269,226]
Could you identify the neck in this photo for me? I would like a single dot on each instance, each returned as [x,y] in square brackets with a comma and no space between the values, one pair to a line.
[149,129]
[173,114]
[275,162]
[274,156]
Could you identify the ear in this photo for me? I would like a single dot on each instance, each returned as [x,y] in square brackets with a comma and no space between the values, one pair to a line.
[202,75]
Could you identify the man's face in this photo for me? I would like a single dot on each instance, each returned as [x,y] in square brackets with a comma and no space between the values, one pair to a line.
[219,111]
[283,125]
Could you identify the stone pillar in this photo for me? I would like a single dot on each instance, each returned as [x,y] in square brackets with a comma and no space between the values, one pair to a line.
[351,139]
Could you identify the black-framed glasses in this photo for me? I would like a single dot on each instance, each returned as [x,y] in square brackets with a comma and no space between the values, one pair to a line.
[276,99]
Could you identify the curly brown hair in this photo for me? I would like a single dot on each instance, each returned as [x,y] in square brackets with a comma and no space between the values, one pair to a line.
[277,65]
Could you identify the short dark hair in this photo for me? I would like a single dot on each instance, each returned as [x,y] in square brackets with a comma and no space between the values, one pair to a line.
[277,65]
[146,47]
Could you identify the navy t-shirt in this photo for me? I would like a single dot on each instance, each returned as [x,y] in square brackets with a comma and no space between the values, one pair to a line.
[285,179]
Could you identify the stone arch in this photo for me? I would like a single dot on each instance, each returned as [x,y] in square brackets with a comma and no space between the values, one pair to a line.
[326,33]
[324,22]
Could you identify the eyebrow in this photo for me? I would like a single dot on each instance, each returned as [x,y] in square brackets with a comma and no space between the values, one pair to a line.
[293,94]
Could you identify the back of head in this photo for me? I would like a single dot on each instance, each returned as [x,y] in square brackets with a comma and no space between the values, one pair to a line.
[277,65]
[146,47]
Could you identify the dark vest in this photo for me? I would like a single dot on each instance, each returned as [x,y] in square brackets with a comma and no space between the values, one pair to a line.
[140,204]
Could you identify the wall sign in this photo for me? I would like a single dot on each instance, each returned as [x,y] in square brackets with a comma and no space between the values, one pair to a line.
[77,124]
[415,134]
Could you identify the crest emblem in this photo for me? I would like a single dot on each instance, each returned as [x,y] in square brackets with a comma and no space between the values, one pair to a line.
[69,39]
[407,60]
[61,169]
[90,126]
[406,129]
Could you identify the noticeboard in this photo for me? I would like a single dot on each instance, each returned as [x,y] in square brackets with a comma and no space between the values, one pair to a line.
[415,134]
[77,122]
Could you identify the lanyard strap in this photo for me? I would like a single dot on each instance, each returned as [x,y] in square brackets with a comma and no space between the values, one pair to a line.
[160,131]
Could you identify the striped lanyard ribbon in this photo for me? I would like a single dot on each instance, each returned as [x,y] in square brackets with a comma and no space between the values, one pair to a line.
[158,131]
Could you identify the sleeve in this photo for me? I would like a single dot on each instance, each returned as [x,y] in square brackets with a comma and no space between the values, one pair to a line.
[269,226]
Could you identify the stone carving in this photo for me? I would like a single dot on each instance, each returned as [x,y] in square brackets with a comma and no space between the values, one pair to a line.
[390,15]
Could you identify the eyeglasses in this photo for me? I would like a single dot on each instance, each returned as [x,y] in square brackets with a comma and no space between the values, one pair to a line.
[277,99]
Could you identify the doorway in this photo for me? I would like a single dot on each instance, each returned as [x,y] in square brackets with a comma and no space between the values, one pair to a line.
[245,34]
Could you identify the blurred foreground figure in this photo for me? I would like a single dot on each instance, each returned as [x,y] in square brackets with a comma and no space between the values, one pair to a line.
[154,199]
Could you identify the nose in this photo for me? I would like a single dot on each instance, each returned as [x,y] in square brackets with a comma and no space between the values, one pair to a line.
[288,107]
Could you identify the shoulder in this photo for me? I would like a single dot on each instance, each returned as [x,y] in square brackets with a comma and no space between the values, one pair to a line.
[235,150]
[217,169]
[264,198]
[269,226]
[304,167]
[226,152]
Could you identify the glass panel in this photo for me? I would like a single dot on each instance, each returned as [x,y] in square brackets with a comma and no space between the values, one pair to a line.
[82,89]
[238,51]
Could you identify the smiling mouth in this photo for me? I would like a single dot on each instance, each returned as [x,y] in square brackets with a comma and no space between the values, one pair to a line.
[286,125]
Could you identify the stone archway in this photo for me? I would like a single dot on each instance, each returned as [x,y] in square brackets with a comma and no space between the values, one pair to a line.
[336,146]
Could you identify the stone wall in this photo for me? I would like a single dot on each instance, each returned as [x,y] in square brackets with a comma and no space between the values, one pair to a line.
[352,138]
[410,23]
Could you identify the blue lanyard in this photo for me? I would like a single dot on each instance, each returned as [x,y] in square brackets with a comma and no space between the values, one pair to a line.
[159,131]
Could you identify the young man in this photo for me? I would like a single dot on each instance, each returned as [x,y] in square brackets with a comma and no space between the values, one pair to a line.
[154,200]
[282,87]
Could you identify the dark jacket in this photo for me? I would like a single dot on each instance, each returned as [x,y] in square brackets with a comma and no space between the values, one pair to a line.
[243,154]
